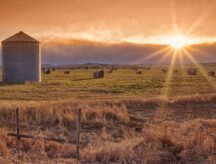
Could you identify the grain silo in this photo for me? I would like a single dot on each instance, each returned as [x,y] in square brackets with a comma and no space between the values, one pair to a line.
[21,59]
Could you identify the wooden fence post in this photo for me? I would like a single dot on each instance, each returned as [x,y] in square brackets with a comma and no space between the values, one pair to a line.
[78,132]
[17,123]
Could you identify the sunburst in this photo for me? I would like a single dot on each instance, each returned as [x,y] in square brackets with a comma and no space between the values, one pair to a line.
[180,45]
[179,41]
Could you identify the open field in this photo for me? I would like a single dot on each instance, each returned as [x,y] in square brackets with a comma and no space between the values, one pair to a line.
[125,118]
[108,82]
[123,83]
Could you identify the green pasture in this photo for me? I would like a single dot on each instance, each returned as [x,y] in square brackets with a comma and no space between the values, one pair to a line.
[122,83]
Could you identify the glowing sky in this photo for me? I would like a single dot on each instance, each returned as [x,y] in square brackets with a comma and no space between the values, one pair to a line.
[109,21]
[113,20]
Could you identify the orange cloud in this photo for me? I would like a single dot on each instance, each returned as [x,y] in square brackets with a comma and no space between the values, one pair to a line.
[110,21]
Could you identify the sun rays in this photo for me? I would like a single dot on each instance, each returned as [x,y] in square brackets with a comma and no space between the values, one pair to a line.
[150,56]
[201,69]
[179,53]
[176,56]
[179,47]
[168,80]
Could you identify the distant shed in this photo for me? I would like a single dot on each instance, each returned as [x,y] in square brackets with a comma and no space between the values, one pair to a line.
[21,59]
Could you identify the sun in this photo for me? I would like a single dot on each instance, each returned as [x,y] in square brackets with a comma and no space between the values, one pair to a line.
[178,42]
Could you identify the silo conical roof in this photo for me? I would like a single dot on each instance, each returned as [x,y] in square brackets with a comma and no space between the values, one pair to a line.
[20,37]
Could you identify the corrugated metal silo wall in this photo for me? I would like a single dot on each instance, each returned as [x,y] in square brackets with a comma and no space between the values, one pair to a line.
[21,62]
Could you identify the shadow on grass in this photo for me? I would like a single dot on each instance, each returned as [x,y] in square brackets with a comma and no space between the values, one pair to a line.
[11,84]
[2,84]
[83,79]
[104,91]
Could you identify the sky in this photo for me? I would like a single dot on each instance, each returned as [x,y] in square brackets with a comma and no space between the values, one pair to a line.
[109,31]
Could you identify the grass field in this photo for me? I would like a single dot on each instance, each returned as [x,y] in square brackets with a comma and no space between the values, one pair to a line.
[123,83]
[125,117]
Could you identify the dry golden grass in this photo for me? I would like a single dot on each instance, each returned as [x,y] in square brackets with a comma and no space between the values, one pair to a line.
[109,132]
[169,142]
[192,141]
[62,113]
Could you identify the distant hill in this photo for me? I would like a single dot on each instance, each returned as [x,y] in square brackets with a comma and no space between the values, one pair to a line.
[93,65]
[101,65]
[211,64]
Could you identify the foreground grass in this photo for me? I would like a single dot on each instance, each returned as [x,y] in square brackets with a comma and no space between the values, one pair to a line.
[169,142]
[188,142]
[112,132]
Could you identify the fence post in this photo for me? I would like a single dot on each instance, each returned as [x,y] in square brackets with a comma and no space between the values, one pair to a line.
[78,133]
[17,123]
